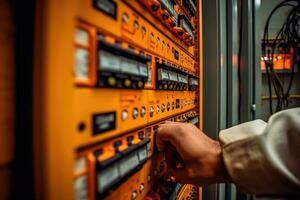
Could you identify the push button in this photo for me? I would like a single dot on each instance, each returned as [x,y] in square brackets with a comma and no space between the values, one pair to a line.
[124,115]
[142,187]
[125,17]
[154,5]
[168,106]
[143,112]
[140,84]
[135,113]
[134,195]
[129,140]
[165,15]
[127,83]
[163,108]
[157,109]
[117,145]
[151,111]
[111,81]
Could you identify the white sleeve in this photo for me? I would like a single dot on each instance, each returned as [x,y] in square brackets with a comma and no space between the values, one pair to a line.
[264,158]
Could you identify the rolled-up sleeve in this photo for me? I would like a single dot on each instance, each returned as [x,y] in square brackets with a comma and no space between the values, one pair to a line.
[264,158]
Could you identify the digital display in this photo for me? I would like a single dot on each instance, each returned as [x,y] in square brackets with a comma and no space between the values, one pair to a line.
[80,165]
[190,5]
[187,28]
[128,163]
[108,61]
[169,6]
[193,81]
[193,4]
[143,69]
[163,74]
[183,79]
[82,37]
[173,76]
[129,66]
[107,6]
[81,187]
[104,122]
[81,64]
[143,154]
[194,120]
[107,177]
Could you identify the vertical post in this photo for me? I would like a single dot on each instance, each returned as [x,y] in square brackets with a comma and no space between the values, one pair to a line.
[247,60]
[7,96]
[257,78]
[216,81]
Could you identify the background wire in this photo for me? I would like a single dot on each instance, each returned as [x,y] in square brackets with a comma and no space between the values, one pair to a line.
[286,41]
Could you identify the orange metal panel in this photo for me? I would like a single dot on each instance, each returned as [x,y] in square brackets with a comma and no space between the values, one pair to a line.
[54,99]
[67,148]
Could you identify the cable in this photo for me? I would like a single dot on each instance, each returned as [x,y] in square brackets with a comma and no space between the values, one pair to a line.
[287,38]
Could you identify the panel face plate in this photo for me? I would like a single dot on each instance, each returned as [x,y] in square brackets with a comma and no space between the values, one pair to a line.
[129,66]
[146,71]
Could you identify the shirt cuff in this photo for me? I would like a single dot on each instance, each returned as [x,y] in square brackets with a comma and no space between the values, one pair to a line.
[246,161]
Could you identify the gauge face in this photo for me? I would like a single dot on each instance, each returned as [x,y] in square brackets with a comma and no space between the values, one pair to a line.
[82,64]
[81,37]
[129,66]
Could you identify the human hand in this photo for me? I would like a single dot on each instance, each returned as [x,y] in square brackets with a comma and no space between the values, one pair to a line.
[201,156]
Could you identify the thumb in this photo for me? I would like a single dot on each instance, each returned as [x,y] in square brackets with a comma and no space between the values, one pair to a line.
[166,133]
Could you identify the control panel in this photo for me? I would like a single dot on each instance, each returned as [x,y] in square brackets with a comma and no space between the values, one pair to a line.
[134,65]
[126,167]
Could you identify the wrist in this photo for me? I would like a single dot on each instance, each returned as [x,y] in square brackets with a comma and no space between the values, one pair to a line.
[221,173]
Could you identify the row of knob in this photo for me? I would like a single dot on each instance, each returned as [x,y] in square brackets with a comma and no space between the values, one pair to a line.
[169,19]
[142,112]
[156,172]
[135,113]
[134,194]
[192,194]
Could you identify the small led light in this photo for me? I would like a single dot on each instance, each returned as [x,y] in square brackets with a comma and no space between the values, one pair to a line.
[124,115]
[151,36]
[136,25]
[144,31]
[135,113]
[125,17]
[143,111]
